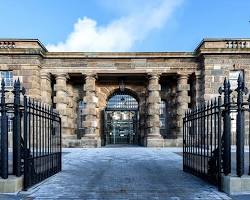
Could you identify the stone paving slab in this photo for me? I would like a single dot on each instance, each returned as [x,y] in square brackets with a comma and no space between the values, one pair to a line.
[122,173]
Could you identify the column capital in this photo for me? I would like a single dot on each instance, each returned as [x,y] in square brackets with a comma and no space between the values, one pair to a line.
[183,76]
[62,75]
[89,75]
[45,75]
[154,75]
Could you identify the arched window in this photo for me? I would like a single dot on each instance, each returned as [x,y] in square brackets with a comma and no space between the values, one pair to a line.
[122,100]
[163,116]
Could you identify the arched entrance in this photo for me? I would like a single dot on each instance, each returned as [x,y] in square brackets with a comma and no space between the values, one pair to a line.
[121,119]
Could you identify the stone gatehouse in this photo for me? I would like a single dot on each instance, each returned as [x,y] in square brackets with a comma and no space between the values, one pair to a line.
[123,97]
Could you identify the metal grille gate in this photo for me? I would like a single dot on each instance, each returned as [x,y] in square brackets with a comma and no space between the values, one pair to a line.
[33,147]
[120,119]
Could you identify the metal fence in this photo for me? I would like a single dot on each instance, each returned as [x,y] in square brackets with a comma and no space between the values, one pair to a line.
[33,146]
[210,149]
[201,146]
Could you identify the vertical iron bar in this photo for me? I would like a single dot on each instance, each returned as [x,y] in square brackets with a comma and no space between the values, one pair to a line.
[219,143]
[199,138]
[240,130]
[211,129]
[17,131]
[194,140]
[33,138]
[207,136]
[227,129]
[25,133]
[40,139]
[4,134]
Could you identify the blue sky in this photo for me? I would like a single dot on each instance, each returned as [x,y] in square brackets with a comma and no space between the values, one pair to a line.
[124,25]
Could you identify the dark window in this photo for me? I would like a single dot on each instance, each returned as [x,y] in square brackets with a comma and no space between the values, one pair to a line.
[8,78]
[163,115]
[233,78]
[81,106]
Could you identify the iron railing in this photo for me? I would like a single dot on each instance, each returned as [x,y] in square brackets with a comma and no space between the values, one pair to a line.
[33,148]
[208,143]
[202,140]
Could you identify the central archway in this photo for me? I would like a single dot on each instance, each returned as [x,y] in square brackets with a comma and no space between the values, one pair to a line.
[121,118]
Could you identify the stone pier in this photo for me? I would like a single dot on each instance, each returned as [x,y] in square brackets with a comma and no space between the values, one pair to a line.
[90,122]
[61,100]
[182,101]
[154,138]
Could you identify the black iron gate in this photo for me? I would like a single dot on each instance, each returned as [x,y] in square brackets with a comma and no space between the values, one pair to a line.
[121,119]
[207,135]
[30,137]
[202,141]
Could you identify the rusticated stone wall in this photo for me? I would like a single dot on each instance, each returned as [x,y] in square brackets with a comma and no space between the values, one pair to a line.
[216,68]
[63,79]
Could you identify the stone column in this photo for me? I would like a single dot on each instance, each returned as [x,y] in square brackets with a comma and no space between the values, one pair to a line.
[46,89]
[70,108]
[90,112]
[61,101]
[182,101]
[154,138]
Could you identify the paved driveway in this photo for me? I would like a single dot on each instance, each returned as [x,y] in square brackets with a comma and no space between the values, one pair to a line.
[122,173]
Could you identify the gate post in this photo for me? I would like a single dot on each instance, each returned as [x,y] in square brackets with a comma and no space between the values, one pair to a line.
[240,127]
[226,128]
[4,134]
[17,131]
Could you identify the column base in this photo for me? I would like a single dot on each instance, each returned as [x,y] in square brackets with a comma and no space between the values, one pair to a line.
[155,142]
[160,142]
[89,142]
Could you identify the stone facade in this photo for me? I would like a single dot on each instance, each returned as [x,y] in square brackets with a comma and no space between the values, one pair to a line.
[180,79]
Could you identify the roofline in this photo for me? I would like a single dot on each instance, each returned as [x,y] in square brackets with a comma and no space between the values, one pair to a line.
[122,55]
[91,54]
[24,40]
[218,39]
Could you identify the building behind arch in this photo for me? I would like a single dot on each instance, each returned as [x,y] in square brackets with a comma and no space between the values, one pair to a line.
[164,84]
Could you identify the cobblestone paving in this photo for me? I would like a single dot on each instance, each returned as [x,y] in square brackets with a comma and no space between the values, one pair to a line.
[122,173]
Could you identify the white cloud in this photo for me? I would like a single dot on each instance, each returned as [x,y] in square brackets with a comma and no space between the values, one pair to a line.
[120,34]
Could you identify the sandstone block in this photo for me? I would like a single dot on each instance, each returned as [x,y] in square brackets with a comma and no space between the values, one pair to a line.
[154,87]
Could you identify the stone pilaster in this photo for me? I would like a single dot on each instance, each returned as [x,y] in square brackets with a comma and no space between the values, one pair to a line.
[199,89]
[154,138]
[46,89]
[182,101]
[90,112]
[61,101]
